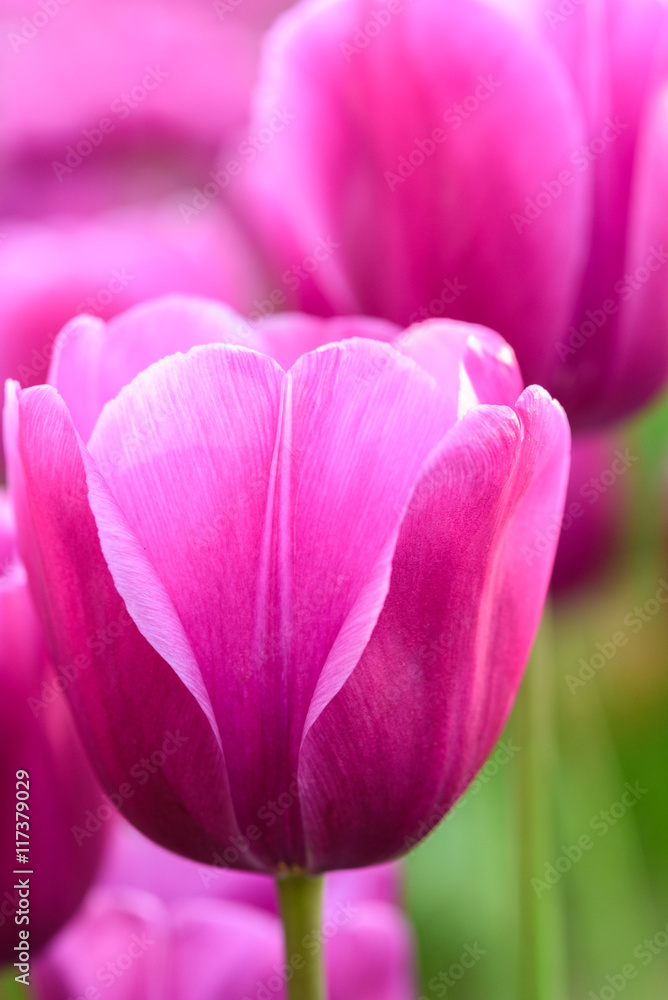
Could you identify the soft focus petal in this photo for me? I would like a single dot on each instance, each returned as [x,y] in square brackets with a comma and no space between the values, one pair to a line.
[641,354]
[423,226]
[170,80]
[439,675]
[50,272]
[595,500]
[38,737]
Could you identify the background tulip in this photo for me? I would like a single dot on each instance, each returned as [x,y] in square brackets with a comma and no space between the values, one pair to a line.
[50,271]
[281,670]
[495,162]
[133,945]
[38,737]
[110,103]
[594,510]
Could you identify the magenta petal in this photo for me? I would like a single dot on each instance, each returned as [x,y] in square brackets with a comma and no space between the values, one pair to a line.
[641,354]
[111,673]
[470,363]
[427,700]
[357,164]
[286,336]
[277,550]
[371,958]
[93,361]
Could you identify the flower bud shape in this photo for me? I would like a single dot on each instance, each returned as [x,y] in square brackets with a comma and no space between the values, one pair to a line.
[45,779]
[308,583]
[493,161]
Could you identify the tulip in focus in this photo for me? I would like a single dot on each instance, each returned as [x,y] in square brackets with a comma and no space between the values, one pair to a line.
[320,563]
[488,160]
[40,748]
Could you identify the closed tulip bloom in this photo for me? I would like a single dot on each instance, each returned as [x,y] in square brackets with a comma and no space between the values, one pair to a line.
[493,161]
[41,751]
[319,578]
[132,945]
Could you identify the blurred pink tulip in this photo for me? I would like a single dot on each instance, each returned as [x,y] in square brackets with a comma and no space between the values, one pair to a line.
[133,860]
[497,162]
[52,271]
[129,945]
[106,103]
[593,513]
[325,582]
[37,737]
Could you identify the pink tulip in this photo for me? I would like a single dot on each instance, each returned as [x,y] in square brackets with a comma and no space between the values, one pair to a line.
[132,860]
[52,271]
[317,588]
[598,487]
[105,103]
[495,162]
[37,737]
[129,945]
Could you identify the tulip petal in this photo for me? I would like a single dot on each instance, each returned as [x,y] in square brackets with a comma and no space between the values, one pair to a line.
[93,361]
[111,673]
[286,336]
[468,583]
[400,138]
[471,363]
[371,957]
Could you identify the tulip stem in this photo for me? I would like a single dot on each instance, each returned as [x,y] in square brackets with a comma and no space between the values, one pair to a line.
[301,907]
[542,969]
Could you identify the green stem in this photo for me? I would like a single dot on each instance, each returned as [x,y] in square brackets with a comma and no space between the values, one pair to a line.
[301,906]
[542,969]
